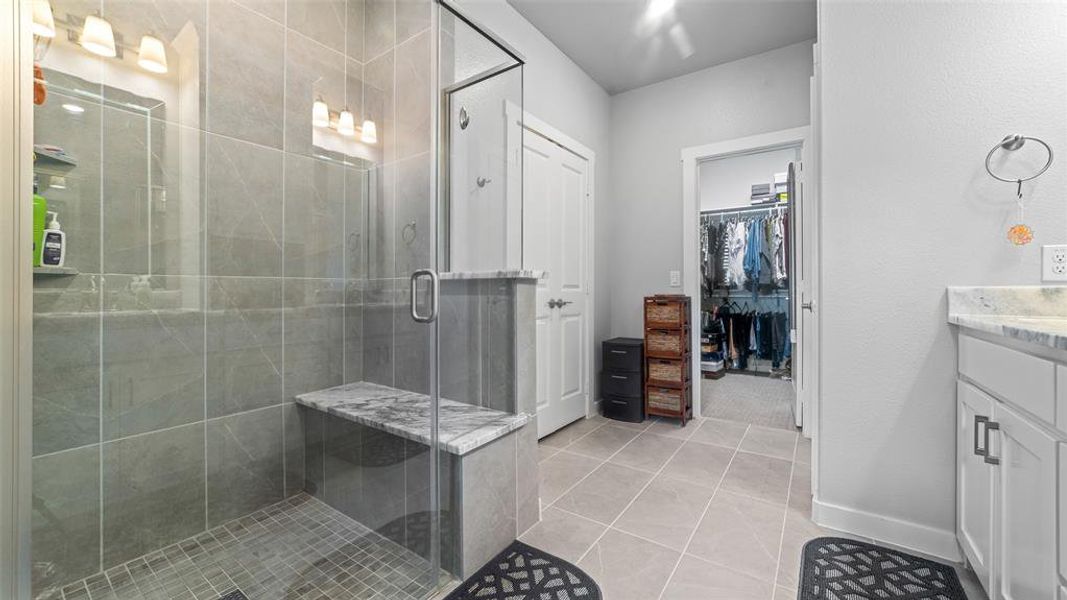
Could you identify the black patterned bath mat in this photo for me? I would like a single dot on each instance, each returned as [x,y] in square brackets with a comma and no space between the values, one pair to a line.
[234,595]
[522,572]
[841,569]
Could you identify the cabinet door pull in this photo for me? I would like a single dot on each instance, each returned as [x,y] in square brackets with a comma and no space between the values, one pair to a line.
[989,458]
[979,421]
[618,352]
[619,377]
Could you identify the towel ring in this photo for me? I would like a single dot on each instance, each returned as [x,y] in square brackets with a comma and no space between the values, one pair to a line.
[1012,143]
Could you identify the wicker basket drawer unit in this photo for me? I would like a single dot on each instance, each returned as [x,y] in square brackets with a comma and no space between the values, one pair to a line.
[666,401]
[666,312]
[665,372]
[666,343]
[668,389]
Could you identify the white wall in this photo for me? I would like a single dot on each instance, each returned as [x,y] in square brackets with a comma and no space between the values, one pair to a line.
[914,95]
[650,126]
[727,182]
[559,93]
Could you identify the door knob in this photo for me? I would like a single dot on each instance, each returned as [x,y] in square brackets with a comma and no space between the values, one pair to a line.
[552,303]
[809,306]
[561,303]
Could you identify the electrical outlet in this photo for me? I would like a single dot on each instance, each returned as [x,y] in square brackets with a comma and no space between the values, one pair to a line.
[1054,263]
[676,278]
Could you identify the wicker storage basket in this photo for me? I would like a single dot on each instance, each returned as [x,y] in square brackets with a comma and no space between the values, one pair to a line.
[668,343]
[670,400]
[669,313]
[670,373]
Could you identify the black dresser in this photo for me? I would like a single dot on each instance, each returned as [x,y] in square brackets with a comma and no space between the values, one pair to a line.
[622,382]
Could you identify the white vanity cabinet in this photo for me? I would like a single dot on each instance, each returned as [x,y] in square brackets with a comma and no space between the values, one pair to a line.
[1011,468]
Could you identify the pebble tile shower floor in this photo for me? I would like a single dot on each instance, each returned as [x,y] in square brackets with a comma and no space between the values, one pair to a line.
[299,548]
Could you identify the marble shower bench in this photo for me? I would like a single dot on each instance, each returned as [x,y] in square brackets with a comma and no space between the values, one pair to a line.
[462,428]
[367,448]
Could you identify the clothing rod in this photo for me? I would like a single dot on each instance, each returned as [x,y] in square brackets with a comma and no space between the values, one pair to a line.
[726,211]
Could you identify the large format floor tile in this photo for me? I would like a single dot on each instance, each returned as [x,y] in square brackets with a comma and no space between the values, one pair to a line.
[560,472]
[741,533]
[564,534]
[667,511]
[648,452]
[603,442]
[718,510]
[627,567]
[699,580]
[605,493]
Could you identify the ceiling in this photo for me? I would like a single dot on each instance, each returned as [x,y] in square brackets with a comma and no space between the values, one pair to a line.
[624,44]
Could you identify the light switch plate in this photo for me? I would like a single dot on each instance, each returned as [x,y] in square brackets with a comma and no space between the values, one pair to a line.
[676,278]
[1054,263]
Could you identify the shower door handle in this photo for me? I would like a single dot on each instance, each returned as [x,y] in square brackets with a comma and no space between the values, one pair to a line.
[435,295]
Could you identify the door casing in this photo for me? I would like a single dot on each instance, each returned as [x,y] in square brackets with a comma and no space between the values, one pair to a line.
[520,122]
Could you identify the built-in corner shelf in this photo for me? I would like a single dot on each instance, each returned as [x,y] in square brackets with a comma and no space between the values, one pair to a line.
[51,161]
[54,272]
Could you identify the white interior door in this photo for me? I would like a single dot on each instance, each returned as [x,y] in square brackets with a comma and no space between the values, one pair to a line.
[555,192]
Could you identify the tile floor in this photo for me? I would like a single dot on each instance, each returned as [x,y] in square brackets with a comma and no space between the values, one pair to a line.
[716,510]
[297,549]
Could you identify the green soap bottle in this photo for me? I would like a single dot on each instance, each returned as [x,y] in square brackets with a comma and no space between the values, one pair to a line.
[40,212]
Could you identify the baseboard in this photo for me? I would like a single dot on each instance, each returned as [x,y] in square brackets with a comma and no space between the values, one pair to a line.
[935,543]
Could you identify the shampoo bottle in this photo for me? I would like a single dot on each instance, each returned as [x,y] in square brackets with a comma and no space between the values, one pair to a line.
[54,245]
[40,209]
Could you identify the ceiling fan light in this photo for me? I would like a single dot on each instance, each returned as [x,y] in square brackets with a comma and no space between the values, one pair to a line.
[658,8]
[97,36]
[152,56]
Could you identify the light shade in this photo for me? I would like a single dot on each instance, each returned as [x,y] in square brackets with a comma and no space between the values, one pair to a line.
[97,36]
[320,113]
[346,124]
[369,135]
[43,23]
[152,56]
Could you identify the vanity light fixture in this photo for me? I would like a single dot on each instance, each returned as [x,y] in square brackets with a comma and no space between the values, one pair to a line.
[97,36]
[152,55]
[320,113]
[346,123]
[74,109]
[44,24]
[369,133]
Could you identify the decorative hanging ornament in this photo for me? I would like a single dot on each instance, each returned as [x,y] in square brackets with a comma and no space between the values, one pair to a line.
[1020,234]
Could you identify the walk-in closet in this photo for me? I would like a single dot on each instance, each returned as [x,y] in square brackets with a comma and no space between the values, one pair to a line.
[747,234]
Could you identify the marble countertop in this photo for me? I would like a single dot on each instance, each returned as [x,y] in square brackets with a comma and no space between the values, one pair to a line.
[463,427]
[1034,314]
[501,274]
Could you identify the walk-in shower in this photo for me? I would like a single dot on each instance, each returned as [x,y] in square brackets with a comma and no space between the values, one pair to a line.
[284,353]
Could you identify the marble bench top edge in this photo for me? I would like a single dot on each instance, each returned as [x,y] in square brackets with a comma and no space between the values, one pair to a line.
[462,427]
[494,274]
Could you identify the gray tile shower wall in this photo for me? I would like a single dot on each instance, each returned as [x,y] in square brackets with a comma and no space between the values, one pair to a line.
[223,255]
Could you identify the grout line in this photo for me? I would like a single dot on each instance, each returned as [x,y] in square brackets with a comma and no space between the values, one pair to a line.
[636,496]
[703,515]
[785,518]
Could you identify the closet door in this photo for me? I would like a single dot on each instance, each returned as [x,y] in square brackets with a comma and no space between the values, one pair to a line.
[555,227]
[974,480]
[1025,506]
